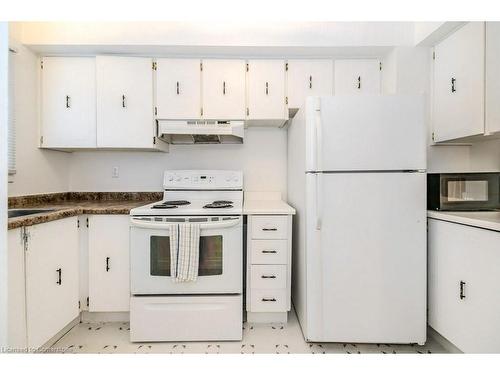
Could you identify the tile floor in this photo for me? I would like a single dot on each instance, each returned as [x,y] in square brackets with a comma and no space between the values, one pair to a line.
[257,339]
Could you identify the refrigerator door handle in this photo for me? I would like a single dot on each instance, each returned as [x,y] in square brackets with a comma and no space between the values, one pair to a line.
[319,200]
[319,138]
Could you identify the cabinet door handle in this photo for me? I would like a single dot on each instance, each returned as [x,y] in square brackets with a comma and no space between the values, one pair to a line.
[59,276]
[177,85]
[462,289]
[267,88]
[107,264]
[453,89]
[268,276]
[68,101]
[269,229]
[224,88]
[269,251]
[310,82]
[359,82]
[268,299]
[123,101]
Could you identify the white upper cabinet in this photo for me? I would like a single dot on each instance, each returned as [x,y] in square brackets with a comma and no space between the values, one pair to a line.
[178,89]
[458,108]
[308,78]
[68,102]
[357,76]
[51,279]
[125,102]
[223,89]
[266,90]
[492,77]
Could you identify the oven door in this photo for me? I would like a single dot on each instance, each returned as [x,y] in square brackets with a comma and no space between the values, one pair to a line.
[220,262]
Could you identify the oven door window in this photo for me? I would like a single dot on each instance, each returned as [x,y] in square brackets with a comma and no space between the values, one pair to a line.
[210,261]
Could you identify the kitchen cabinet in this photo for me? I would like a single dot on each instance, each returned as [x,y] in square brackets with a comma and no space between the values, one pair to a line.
[125,102]
[68,102]
[357,76]
[178,89]
[269,268]
[109,265]
[463,285]
[223,89]
[308,78]
[458,99]
[51,278]
[16,303]
[266,92]
[492,77]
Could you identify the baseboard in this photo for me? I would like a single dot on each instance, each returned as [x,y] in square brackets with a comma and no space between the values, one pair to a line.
[60,334]
[442,341]
[100,317]
[267,317]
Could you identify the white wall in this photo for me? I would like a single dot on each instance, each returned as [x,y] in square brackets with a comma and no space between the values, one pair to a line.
[38,171]
[262,158]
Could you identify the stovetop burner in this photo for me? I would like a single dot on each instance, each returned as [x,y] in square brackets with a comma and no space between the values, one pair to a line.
[163,205]
[219,204]
[222,202]
[177,203]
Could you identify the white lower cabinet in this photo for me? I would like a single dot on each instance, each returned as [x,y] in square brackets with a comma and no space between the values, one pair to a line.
[463,285]
[268,268]
[109,264]
[51,279]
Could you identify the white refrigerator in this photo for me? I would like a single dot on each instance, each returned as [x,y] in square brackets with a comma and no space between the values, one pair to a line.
[356,175]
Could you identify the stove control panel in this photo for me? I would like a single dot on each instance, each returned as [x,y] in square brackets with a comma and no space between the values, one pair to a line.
[203,180]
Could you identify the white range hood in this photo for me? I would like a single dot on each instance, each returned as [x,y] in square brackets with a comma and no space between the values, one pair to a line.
[200,131]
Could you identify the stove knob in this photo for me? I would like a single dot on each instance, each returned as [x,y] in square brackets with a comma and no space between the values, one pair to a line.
[178,179]
[170,178]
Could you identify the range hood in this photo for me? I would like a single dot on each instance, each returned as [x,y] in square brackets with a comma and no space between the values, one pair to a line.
[185,132]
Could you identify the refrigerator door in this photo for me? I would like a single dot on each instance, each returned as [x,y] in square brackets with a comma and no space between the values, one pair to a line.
[366,264]
[365,132]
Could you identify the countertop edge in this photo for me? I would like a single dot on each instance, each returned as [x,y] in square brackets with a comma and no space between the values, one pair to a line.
[477,223]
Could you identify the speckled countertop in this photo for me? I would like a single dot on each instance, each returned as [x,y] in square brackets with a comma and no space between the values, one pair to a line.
[73,204]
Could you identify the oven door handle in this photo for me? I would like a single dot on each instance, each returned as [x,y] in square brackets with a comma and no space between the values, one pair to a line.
[165,225]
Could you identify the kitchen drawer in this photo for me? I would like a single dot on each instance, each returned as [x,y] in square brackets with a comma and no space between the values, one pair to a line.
[268,300]
[269,251]
[268,276]
[270,227]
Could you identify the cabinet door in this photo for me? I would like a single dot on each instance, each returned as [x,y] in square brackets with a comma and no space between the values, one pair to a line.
[459,84]
[178,88]
[357,77]
[109,278]
[68,102]
[124,102]
[223,89]
[16,293]
[266,89]
[492,77]
[51,279]
[308,78]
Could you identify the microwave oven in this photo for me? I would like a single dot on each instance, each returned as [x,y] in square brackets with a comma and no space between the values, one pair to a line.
[463,191]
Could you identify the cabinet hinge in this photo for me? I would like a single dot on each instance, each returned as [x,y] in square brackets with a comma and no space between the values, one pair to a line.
[41,64]
[154,140]
[87,221]
[380,66]
[248,112]
[432,136]
[201,111]
[286,67]
[201,67]
[154,66]
[247,67]
[286,100]
[88,301]
[78,223]
[79,305]
[434,55]
[41,140]
[25,236]
[156,111]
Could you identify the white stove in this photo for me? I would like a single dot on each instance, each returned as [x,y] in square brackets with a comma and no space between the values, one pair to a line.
[209,308]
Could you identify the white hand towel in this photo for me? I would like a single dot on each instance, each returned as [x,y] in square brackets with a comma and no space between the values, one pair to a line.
[184,251]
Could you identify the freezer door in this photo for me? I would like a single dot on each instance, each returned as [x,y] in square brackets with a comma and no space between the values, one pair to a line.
[366,264]
[365,132]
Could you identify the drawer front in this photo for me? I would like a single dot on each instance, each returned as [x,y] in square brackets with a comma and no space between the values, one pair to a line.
[268,276]
[268,300]
[269,251]
[270,227]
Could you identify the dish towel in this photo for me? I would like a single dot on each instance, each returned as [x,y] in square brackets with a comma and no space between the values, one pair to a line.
[184,251]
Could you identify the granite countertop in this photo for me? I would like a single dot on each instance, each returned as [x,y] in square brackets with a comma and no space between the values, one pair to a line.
[266,203]
[73,204]
[480,219]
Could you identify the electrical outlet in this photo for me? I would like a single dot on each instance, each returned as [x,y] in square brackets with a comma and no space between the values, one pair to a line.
[115,173]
